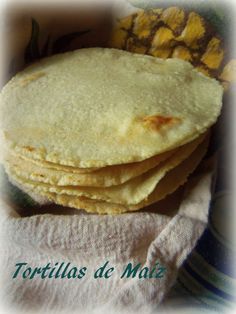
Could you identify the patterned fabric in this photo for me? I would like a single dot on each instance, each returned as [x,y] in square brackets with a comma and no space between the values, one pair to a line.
[208,278]
[208,273]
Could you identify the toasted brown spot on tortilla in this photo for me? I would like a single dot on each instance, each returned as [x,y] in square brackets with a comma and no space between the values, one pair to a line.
[28,79]
[29,148]
[157,122]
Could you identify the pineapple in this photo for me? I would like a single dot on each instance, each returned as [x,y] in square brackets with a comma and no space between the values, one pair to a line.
[175,33]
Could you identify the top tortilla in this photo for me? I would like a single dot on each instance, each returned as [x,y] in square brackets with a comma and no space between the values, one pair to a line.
[96,107]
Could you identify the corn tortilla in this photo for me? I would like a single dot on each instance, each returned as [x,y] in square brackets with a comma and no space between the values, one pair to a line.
[130,193]
[175,178]
[95,107]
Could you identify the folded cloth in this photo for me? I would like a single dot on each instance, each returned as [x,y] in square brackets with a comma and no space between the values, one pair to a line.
[207,279]
[86,240]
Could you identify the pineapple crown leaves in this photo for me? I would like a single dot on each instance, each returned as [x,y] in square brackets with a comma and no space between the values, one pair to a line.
[32,51]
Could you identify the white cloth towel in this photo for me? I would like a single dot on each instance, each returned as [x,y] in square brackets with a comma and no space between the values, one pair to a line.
[87,240]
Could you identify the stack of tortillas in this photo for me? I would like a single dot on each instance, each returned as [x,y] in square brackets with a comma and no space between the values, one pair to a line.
[106,130]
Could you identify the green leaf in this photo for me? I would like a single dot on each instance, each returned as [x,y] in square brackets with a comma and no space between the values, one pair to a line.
[32,50]
[62,43]
[45,49]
